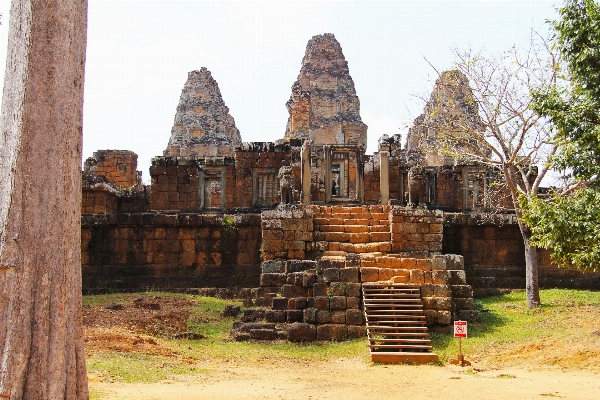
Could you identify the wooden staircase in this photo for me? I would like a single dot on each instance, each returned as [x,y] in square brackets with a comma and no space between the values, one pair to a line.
[396,323]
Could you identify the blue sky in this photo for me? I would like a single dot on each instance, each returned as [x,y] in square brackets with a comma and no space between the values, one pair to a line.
[139,54]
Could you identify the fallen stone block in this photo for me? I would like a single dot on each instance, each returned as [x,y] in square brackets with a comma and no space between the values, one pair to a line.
[268,267]
[301,332]
[332,332]
[263,334]
[272,279]
[276,316]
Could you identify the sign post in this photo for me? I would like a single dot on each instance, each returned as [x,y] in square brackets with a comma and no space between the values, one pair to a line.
[460,331]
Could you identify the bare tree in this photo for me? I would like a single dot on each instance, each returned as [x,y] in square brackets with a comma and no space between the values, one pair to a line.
[506,133]
[41,335]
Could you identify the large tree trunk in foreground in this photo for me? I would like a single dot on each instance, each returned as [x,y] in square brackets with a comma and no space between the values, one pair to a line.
[41,335]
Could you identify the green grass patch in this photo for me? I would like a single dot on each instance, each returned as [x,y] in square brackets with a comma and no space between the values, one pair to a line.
[137,367]
[507,322]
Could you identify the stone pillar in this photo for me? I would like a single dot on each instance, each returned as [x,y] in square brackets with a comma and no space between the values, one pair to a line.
[384,176]
[360,178]
[306,175]
[327,175]
[41,324]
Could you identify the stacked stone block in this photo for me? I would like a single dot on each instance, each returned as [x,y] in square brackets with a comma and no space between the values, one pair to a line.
[99,200]
[176,182]
[312,300]
[287,232]
[257,157]
[416,230]
[119,167]
[132,252]
[358,229]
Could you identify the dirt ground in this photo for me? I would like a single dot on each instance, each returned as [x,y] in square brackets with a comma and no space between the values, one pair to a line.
[355,379]
[510,375]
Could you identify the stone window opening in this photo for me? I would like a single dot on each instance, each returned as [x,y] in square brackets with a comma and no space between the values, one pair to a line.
[265,187]
[211,188]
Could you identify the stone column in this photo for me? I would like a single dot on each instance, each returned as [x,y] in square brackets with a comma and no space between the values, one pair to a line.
[306,175]
[327,177]
[384,176]
[360,170]
[41,323]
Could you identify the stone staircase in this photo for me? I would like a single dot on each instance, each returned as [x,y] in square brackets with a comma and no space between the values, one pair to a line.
[395,323]
[358,229]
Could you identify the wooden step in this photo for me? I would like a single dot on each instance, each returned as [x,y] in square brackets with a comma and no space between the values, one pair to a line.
[399,346]
[383,328]
[403,357]
[395,323]
[398,323]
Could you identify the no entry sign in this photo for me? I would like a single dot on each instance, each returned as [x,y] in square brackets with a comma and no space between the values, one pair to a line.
[460,329]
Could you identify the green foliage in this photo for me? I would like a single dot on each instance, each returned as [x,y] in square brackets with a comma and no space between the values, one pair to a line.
[574,109]
[569,225]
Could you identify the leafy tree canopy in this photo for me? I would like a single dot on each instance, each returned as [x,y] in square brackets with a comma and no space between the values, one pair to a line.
[569,220]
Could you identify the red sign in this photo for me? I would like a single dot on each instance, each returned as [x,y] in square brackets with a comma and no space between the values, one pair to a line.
[460,329]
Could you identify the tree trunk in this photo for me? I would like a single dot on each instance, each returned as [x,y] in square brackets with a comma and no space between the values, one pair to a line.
[531,277]
[532,290]
[41,335]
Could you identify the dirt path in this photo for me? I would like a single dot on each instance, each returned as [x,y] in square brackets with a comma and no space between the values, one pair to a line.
[357,379]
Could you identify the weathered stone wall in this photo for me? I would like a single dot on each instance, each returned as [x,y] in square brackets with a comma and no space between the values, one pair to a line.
[258,163]
[287,232]
[99,201]
[103,197]
[119,167]
[176,183]
[495,255]
[129,252]
[416,230]
[372,181]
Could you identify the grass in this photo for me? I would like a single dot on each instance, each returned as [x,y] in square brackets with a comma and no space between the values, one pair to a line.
[506,324]
[206,320]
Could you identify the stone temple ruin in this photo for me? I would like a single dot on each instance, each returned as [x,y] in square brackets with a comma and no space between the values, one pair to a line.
[310,230]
